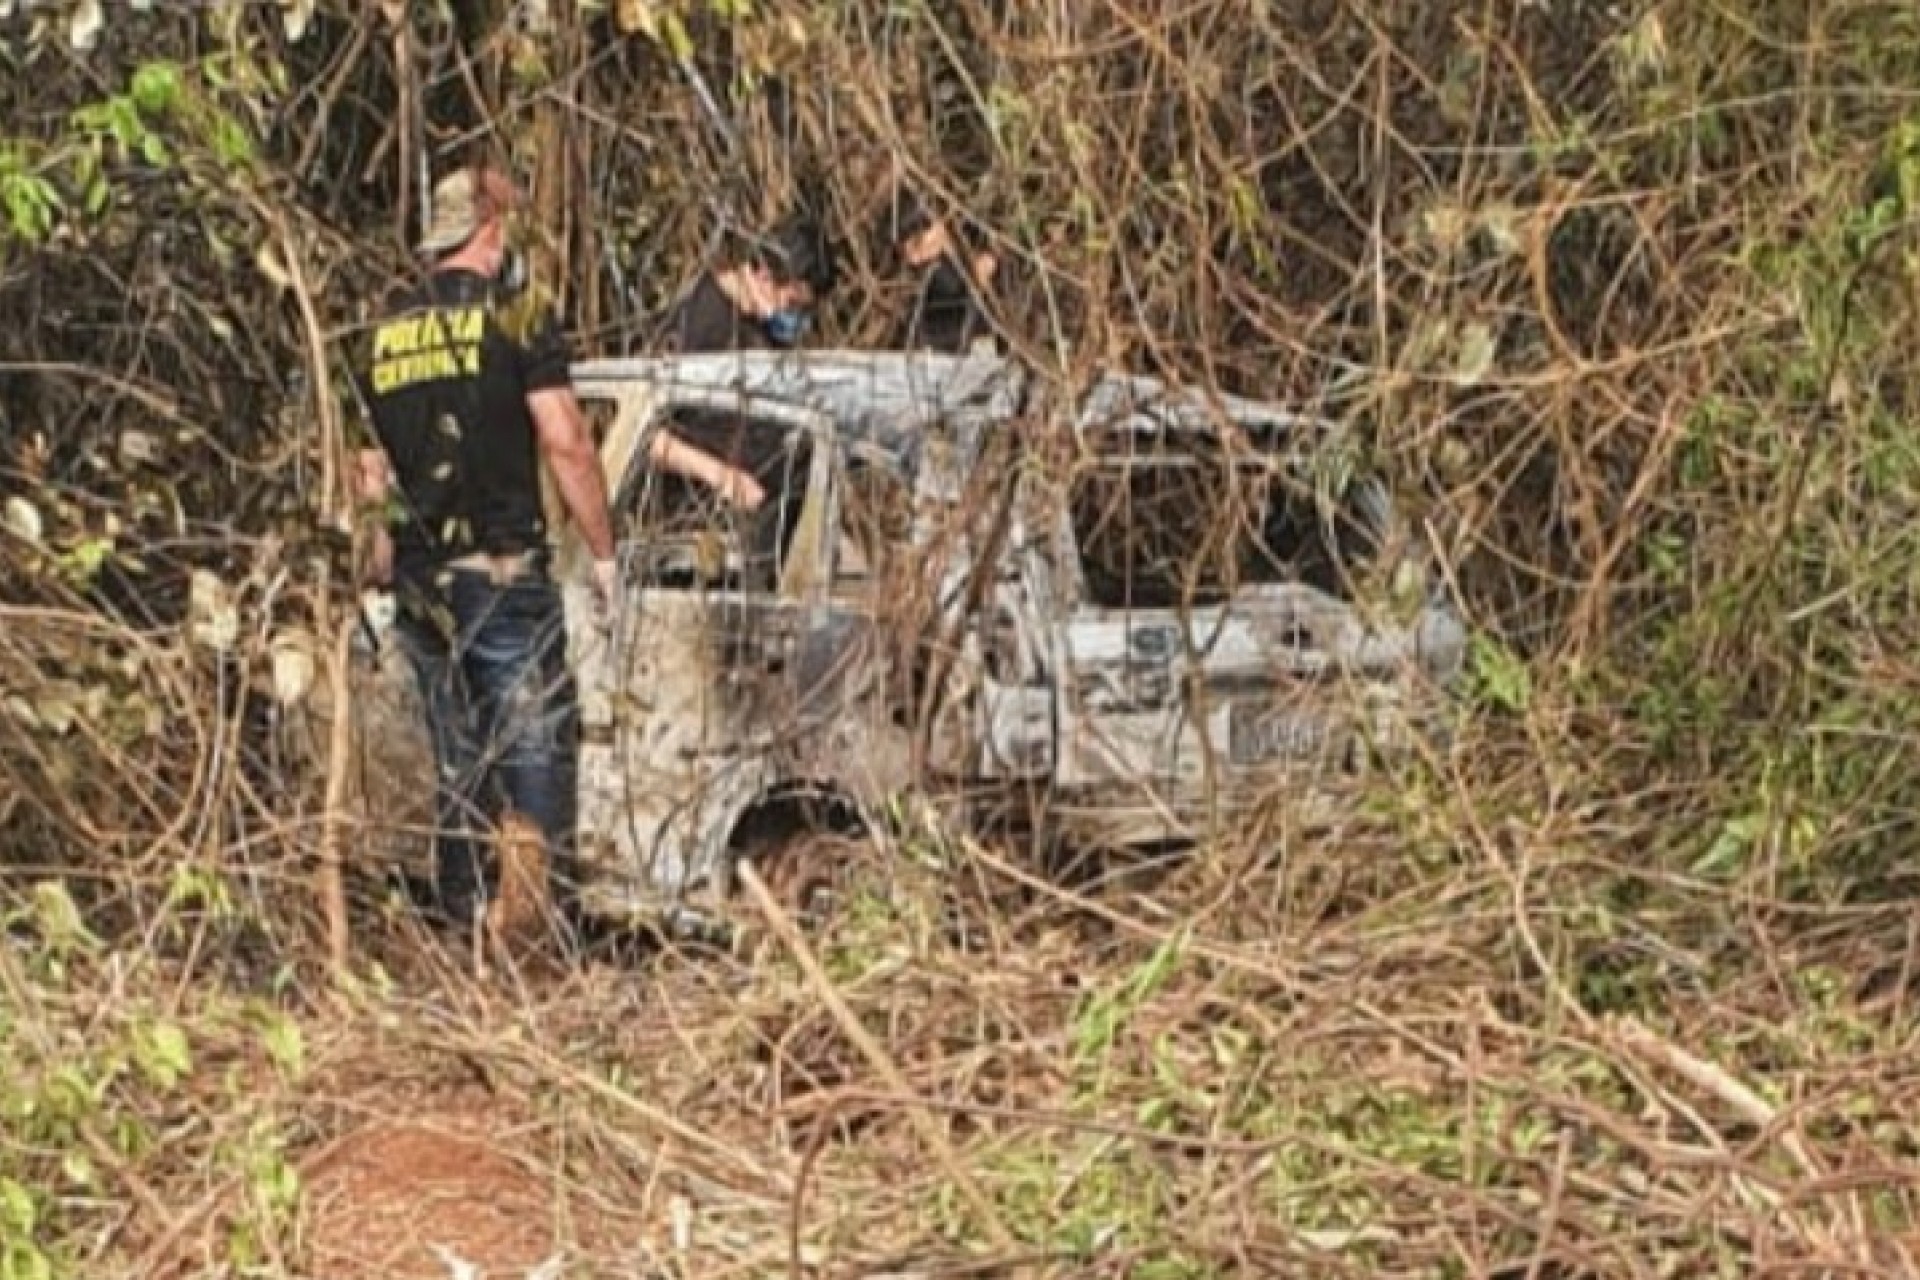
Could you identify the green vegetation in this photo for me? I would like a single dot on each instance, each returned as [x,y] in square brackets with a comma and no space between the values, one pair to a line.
[1616,982]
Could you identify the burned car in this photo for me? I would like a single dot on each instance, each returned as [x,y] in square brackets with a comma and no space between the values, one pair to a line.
[1140,607]
[1125,613]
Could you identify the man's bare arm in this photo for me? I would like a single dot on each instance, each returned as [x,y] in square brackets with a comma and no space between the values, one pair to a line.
[567,444]
[670,453]
[372,480]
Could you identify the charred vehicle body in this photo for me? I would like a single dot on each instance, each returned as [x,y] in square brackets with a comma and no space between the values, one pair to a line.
[1149,607]
[1126,614]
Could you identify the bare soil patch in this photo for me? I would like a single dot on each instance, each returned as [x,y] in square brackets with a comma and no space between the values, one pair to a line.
[399,1199]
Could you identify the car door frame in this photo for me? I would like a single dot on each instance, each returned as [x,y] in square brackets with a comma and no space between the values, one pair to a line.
[641,408]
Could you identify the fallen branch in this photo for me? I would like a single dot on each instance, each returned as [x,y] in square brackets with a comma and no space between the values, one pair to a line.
[1749,1106]
[1705,1076]
[333,892]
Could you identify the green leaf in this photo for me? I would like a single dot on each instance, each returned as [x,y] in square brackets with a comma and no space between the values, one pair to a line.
[85,559]
[232,145]
[162,1052]
[123,120]
[673,33]
[23,1261]
[1502,678]
[57,919]
[192,887]
[79,1170]
[1736,837]
[31,204]
[283,1042]
[277,1183]
[1102,1017]
[17,1212]
[156,87]
[1156,1114]
[1244,205]
[69,1094]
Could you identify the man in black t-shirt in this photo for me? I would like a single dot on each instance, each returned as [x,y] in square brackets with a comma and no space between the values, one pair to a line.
[947,315]
[467,379]
[763,299]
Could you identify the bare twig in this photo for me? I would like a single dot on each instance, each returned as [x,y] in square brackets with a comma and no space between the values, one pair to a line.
[333,893]
[1700,1073]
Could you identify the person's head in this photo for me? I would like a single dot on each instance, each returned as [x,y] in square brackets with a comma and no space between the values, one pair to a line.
[911,233]
[468,224]
[790,270]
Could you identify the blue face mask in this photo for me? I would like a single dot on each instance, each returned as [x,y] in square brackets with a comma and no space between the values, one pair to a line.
[786,327]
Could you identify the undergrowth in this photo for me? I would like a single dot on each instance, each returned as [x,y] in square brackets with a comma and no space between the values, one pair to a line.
[1614,982]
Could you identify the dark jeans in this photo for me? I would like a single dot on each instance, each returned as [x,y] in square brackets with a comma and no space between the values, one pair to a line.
[501,706]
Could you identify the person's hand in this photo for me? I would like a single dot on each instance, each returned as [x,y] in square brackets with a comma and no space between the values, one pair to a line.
[741,489]
[372,475]
[376,570]
[606,578]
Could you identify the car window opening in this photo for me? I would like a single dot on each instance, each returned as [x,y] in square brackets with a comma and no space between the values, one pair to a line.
[876,519]
[1163,528]
[682,535]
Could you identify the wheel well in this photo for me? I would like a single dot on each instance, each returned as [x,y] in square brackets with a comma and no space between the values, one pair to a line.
[792,810]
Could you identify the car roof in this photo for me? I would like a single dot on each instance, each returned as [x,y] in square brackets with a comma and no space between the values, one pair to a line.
[890,398]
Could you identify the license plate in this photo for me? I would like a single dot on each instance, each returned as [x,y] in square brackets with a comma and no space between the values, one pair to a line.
[1259,735]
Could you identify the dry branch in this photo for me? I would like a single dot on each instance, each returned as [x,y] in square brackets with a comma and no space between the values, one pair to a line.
[1575,276]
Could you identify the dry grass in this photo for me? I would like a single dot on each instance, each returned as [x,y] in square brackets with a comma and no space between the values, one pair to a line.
[1619,984]
[1403,1082]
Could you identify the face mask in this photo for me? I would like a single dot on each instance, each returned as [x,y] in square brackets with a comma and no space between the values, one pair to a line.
[786,327]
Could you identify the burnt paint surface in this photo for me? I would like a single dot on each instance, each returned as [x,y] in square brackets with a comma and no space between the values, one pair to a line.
[700,706]
[1152,724]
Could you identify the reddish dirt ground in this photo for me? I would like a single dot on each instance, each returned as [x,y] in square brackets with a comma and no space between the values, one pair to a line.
[381,1198]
